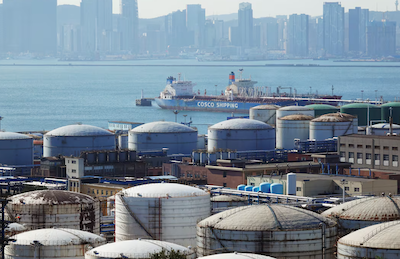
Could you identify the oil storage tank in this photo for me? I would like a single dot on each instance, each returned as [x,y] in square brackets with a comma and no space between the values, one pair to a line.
[322,109]
[73,139]
[360,213]
[291,127]
[137,249]
[385,112]
[160,211]
[361,110]
[276,230]
[226,202]
[178,138]
[55,208]
[236,256]
[16,149]
[52,243]
[241,135]
[383,129]
[378,241]
[327,126]
[291,110]
[264,113]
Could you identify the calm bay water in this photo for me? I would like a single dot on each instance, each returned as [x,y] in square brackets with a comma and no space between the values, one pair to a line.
[48,97]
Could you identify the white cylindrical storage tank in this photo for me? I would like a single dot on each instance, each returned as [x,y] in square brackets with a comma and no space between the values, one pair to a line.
[137,249]
[236,256]
[383,129]
[276,230]
[328,126]
[161,211]
[291,184]
[225,202]
[15,149]
[178,138]
[365,212]
[264,113]
[52,243]
[378,241]
[292,127]
[241,135]
[292,110]
[73,139]
[123,141]
[55,208]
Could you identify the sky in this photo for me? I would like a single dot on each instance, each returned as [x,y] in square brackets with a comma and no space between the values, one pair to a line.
[261,8]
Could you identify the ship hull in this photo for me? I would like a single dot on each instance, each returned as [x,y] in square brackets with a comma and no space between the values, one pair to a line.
[231,106]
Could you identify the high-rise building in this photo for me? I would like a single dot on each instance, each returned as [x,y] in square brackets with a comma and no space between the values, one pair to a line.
[297,35]
[30,26]
[195,23]
[1,29]
[282,21]
[96,24]
[130,26]
[234,36]
[358,21]
[333,29]
[175,28]
[381,38]
[219,31]
[246,27]
[272,36]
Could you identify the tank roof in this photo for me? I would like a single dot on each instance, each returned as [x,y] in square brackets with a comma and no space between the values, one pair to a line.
[297,117]
[51,197]
[321,107]
[57,236]
[172,190]
[265,107]
[379,236]
[139,248]
[78,131]
[266,218]
[332,119]
[162,127]
[236,256]
[12,135]
[391,104]
[359,105]
[367,209]
[295,108]
[385,126]
[339,115]
[241,124]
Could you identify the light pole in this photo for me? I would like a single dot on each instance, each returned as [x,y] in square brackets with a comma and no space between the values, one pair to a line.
[176,115]
[216,91]
[343,182]
[362,95]
[376,95]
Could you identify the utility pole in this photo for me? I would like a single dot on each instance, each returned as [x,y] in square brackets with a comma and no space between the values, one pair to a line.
[397,5]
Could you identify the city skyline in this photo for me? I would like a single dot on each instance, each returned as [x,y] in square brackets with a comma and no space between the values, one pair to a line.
[261,8]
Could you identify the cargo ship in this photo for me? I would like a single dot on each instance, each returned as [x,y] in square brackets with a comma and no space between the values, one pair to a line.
[240,95]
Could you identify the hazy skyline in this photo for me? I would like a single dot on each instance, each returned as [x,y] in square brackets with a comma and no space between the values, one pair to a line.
[261,8]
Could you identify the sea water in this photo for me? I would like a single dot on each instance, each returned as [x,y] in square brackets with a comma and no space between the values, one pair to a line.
[45,95]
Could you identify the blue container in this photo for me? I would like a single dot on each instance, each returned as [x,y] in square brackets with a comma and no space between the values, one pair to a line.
[241,187]
[256,189]
[265,187]
[276,188]
[249,188]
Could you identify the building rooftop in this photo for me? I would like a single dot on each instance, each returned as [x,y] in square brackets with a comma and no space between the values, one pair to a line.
[369,137]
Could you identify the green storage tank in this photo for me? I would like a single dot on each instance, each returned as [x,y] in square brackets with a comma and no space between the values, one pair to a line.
[385,112]
[321,109]
[361,111]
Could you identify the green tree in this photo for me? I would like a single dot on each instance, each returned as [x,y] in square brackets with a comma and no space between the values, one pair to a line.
[164,254]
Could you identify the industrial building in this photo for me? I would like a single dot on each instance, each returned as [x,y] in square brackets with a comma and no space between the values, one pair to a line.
[71,140]
[277,230]
[136,249]
[377,241]
[365,212]
[159,135]
[311,185]
[370,151]
[163,211]
[52,243]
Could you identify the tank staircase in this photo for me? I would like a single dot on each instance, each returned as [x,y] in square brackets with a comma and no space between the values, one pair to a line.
[133,215]
[155,218]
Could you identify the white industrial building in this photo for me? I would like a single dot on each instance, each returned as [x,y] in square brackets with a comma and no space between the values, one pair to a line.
[71,140]
[162,211]
[177,138]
